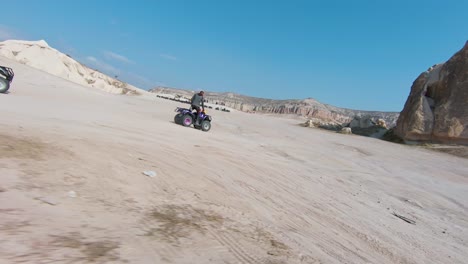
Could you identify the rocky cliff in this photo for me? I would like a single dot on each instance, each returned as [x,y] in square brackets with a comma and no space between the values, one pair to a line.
[309,107]
[437,107]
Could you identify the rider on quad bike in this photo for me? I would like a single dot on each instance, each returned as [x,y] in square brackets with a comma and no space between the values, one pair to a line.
[197,102]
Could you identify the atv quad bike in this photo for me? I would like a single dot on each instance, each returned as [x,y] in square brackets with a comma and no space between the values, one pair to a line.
[6,77]
[186,118]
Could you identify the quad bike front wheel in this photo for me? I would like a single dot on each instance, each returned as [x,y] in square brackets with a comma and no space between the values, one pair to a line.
[205,125]
[187,120]
[4,85]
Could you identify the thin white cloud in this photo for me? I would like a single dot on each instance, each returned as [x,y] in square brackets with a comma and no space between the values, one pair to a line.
[114,56]
[141,81]
[128,77]
[91,59]
[6,33]
[168,57]
[102,66]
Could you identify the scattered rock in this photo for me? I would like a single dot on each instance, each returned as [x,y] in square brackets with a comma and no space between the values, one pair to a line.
[414,203]
[405,219]
[368,126]
[333,126]
[72,194]
[361,122]
[47,200]
[309,123]
[151,174]
[346,130]
[381,123]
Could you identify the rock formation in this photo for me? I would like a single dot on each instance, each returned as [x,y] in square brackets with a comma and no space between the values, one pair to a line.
[437,107]
[40,55]
[362,122]
[381,123]
[368,126]
[346,130]
[309,123]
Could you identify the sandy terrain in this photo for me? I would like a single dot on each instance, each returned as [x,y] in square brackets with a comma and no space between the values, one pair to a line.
[255,189]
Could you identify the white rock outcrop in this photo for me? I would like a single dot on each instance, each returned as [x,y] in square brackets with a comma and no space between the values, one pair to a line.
[40,55]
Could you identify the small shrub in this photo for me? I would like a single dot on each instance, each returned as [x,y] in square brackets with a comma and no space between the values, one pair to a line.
[392,137]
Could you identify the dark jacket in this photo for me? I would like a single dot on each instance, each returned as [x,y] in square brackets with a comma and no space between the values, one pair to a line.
[197,100]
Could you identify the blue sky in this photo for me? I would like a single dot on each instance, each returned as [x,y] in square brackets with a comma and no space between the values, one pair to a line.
[354,54]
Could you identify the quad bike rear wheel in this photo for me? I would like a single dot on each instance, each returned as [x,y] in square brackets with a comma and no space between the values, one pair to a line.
[178,119]
[4,85]
[187,120]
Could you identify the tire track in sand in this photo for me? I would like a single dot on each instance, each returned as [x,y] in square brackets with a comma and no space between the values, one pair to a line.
[239,251]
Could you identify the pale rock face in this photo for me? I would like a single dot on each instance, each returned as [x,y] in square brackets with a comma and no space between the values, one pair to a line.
[346,130]
[437,108]
[40,55]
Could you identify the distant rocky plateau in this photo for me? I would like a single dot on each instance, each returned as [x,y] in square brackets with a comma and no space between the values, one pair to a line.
[309,108]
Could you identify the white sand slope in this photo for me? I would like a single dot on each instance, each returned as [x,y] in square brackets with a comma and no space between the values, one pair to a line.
[255,189]
[40,55]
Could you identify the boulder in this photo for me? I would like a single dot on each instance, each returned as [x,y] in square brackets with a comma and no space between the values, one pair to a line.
[361,122]
[381,123]
[346,130]
[437,107]
[309,123]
